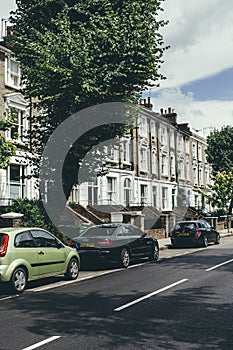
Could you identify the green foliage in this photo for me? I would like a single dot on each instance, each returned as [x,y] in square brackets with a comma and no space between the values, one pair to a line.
[221,196]
[79,53]
[7,148]
[220,149]
[34,215]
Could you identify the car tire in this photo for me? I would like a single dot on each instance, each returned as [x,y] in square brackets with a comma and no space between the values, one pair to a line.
[72,271]
[154,256]
[217,239]
[19,280]
[124,258]
[205,241]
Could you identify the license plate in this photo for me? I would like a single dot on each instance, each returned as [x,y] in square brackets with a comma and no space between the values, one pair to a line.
[86,245]
[185,234]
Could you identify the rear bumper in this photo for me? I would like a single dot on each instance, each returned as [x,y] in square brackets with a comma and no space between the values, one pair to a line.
[99,255]
[186,241]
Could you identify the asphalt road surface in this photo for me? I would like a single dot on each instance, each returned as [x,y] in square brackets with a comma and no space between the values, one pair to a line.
[184,301]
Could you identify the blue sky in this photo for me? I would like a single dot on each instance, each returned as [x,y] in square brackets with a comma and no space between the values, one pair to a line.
[218,86]
[199,64]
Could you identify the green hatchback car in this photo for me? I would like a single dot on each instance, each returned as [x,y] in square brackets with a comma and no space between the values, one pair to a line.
[32,253]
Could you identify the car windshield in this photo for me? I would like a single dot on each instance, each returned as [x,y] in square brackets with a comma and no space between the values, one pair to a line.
[99,232]
[185,225]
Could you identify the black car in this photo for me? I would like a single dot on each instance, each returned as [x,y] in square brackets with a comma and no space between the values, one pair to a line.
[197,232]
[119,243]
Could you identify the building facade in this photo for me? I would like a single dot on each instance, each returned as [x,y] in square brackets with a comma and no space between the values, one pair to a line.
[13,179]
[159,163]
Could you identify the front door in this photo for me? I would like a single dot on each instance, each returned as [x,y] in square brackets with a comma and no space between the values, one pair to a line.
[51,256]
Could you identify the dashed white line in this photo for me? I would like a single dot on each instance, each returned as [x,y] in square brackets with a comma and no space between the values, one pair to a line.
[9,297]
[219,265]
[43,342]
[150,295]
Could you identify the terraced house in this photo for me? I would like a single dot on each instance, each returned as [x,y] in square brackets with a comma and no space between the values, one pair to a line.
[13,183]
[157,166]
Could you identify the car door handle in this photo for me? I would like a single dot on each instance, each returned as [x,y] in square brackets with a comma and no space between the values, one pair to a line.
[41,253]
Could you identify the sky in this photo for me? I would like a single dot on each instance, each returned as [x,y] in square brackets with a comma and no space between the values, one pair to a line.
[199,64]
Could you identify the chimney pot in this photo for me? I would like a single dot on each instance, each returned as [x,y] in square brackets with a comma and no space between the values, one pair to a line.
[161,110]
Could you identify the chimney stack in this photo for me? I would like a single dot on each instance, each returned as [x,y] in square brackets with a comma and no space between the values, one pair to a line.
[146,103]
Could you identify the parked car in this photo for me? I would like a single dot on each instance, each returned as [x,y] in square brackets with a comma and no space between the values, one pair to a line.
[197,232]
[32,253]
[119,243]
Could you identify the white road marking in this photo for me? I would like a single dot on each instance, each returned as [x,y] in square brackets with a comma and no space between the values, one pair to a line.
[150,295]
[216,266]
[37,345]
[10,297]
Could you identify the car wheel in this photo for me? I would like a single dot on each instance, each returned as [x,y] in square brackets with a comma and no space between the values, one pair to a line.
[154,254]
[72,270]
[217,239]
[19,280]
[124,258]
[205,241]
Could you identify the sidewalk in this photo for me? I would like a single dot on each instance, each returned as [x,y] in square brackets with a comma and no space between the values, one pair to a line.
[164,243]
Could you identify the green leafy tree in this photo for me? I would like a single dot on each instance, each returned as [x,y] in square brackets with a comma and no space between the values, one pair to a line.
[220,149]
[221,196]
[79,53]
[7,149]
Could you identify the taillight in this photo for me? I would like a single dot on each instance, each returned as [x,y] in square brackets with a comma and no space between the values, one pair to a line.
[104,243]
[3,245]
[197,234]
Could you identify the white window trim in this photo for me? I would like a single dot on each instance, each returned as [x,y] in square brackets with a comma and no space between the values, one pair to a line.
[126,151]
[142,126]
[8,73]
[143,159]
[21,106]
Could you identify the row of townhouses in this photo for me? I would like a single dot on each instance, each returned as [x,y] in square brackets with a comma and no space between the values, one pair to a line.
[158,164]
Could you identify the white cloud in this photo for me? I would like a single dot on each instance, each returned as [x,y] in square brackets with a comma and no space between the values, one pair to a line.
[201,37]
[199,114]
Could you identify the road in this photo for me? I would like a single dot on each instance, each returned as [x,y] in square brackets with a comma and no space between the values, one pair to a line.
[184,301]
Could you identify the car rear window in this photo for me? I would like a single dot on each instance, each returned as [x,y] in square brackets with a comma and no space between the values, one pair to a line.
[185,225]
[99,232]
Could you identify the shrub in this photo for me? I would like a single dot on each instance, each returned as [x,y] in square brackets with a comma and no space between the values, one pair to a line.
[35,215]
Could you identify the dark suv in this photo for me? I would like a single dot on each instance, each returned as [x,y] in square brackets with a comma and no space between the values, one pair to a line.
[197,232]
